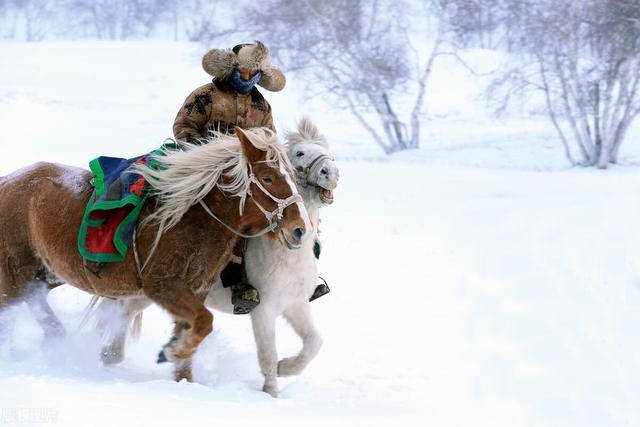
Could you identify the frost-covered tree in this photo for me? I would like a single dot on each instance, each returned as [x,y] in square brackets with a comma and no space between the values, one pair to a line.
[35,17]
[361,54]
[584,57]
[205,20]
[119,19]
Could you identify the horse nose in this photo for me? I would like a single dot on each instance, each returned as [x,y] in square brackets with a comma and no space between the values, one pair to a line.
[298,233]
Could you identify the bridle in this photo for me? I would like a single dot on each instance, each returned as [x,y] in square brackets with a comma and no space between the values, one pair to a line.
[278,212]
[303,174]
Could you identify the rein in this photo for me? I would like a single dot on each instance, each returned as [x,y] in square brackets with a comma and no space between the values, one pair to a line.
[303,175]
[278,213]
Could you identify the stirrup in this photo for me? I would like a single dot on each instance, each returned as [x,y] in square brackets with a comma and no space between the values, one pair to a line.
[244,298]
[321,290]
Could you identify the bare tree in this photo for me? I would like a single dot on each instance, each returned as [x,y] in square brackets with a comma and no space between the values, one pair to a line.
[584,58]
[120,19]
[37,16]
[204,20]
[7,19]
[359,53]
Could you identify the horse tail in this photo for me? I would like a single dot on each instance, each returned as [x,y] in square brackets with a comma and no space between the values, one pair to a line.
[89,312]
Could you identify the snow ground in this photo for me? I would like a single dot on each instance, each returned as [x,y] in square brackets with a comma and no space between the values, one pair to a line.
[478,281]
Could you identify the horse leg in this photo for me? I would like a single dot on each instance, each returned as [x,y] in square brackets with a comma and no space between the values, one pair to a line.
[36,298]
[300,319]
[11,293]
[194,321]
[112,352]
[6,317]
[7,322]
[182,370]
[116,318]
[264,332]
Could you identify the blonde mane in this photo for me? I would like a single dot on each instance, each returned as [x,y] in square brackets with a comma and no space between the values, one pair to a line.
[188,175]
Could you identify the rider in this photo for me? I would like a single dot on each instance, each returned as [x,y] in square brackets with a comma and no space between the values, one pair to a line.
[231,100]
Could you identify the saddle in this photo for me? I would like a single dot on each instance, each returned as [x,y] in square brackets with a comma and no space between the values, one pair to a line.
[112,211]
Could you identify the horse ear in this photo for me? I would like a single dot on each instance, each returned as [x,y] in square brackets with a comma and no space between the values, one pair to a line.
[248,149]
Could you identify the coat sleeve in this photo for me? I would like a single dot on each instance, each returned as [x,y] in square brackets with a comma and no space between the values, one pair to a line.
[192,118]
[267,120]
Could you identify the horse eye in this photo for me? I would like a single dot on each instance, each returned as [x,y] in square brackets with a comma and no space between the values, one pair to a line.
[266,180]
[299,154]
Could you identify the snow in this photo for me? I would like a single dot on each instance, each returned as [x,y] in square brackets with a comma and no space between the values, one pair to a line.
[478,281]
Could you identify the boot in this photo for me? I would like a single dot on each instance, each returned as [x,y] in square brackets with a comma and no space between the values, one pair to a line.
[321,290]
[244,297]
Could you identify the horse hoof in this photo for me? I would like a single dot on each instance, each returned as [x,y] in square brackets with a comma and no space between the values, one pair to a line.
[111,357]
[162,358]
[288,367]
[271,390]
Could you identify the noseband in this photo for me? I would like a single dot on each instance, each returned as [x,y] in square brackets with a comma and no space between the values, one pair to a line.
[278,212]
[303,175]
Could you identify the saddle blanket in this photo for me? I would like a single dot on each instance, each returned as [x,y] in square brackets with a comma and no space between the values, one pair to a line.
[111,214]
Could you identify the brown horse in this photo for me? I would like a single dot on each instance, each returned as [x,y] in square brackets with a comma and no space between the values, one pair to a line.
[206,195]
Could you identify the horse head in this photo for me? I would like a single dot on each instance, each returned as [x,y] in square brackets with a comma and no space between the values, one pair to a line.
[272,196]
[309,153]
[244,181]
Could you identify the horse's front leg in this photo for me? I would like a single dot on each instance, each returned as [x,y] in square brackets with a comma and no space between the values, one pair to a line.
[182,369]
[264,331]
[300,319]
[194,321]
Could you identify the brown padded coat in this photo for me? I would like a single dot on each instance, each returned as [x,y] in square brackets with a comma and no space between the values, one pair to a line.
[215,106]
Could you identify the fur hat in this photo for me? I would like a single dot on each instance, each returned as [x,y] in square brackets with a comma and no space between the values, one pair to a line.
[221,62]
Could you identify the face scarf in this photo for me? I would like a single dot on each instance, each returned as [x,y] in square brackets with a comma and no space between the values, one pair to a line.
[241,85]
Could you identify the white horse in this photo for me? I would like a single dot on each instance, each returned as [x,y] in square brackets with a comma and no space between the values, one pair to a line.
[285,279]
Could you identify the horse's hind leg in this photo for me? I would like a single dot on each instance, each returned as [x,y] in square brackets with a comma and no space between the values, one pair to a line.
[194,321]
[17,273]
[116,317]
[300,319]
[36,298]
[7,318]
[113,323]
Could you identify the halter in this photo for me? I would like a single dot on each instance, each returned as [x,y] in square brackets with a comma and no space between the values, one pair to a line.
[278,212]
[303,175]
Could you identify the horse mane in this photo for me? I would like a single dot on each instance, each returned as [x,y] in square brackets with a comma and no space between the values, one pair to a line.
[188,175]
[307,132]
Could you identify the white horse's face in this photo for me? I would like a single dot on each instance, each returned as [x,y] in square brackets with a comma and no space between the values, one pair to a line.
[316,168]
